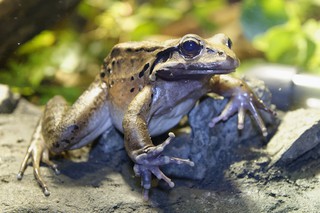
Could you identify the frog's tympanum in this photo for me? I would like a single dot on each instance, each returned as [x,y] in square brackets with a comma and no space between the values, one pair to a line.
[144,89]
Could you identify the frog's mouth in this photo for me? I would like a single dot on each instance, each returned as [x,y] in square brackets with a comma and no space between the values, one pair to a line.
[173,71]
[187,74]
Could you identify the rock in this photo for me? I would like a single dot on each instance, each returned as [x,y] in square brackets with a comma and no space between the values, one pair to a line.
[298,134]
[8,100]
[214,149]
[89,185]
[236,180]
[110,148]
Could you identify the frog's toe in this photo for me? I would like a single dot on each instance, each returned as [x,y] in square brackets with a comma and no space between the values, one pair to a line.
[228,111]
[145,173]
[53,166]
[148,163]
[46,191]
[24,164]
[38,153]
[258,120]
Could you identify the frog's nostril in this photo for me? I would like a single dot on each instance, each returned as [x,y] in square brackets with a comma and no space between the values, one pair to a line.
[220,53]
[232,63]
[236,62]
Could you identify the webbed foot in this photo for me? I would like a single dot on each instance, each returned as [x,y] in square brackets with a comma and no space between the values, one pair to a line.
[244,100]
[148,163]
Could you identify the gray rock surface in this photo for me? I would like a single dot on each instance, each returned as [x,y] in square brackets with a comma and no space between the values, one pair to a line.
[301,136]
[232,171]
[8,100]
[214,149]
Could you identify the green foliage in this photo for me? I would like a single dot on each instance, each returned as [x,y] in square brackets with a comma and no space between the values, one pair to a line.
[79,45]
[41,58]
[45,92]
[285,31]
[260,15]
[137,20]
[202,10]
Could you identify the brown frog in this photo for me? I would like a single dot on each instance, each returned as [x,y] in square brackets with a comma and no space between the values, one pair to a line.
[144,89]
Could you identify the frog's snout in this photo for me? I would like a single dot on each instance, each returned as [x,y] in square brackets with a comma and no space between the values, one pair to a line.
[232,63]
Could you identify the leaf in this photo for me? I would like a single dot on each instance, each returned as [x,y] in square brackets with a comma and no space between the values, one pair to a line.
[44,39]
[260,15]
[287,44]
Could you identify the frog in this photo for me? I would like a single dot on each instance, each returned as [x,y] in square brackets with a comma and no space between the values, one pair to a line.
[144,89]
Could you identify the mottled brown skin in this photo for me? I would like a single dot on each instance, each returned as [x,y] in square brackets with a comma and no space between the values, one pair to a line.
[144,89]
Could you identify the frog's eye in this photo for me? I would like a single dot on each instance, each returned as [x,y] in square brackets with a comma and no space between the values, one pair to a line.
[190,47]
[229,43]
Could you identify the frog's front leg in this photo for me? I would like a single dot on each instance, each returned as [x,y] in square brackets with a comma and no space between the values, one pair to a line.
[146,156]
[63,128]
[242,99]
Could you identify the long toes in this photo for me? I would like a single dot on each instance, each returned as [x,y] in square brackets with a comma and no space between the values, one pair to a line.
[259,120]
[160,175]
[261,105]
[52,165]
[181,161]
[145,178]
[241,116]
[157,150]
[214,121]
[145,194]
[20,175]
[46,191]
[24,164]
[56,170]
[261,125]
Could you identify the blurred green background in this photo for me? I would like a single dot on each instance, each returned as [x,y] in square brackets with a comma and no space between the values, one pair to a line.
[66,57]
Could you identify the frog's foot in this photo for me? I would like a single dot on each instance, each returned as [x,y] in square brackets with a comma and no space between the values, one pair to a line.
[242,102]
[38,152]
[148,163]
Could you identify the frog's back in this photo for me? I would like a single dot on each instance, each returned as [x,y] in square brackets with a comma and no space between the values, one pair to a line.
[129,61]
[126,71]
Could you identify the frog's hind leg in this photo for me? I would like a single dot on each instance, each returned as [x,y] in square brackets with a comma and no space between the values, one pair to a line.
[62,128]
[38,151]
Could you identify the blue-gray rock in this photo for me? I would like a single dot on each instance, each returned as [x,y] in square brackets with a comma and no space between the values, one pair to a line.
[298,135]
[214,149]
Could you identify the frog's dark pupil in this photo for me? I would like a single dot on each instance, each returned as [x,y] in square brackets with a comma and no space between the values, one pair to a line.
[191,48]
[229,43]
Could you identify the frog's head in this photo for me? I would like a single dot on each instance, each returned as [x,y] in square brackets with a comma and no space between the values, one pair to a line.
[193,56]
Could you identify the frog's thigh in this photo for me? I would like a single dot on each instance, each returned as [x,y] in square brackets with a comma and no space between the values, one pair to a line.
[72,127]
[54,111]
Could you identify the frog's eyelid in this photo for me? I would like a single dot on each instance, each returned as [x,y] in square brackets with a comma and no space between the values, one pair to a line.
[221,39]
[229,43]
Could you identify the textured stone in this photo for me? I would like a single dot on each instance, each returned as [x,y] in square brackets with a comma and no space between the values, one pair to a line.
[214,149]
[237,179]
[8,100]
[298,134]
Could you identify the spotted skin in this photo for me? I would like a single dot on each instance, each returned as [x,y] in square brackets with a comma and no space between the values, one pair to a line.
[144,89]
